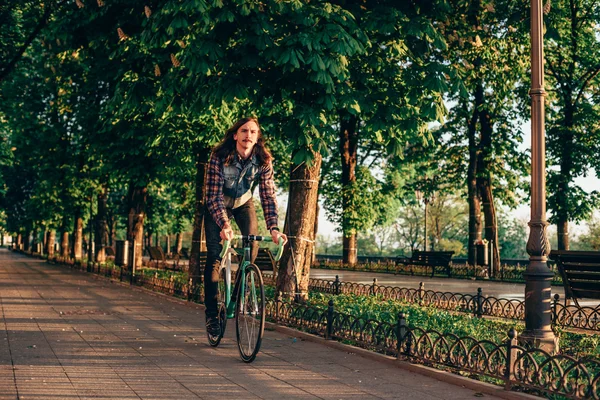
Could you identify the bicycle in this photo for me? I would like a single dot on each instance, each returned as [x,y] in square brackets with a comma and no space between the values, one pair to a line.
[247,304]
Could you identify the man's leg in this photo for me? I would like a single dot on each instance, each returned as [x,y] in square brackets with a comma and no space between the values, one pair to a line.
[213,263]
[245,217]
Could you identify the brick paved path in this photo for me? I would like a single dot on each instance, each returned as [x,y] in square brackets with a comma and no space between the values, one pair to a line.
[66,334]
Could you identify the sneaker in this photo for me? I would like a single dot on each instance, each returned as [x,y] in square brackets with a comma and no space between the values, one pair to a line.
[213,326]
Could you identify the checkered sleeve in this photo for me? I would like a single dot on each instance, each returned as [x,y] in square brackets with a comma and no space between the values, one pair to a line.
[267,195]
[214,191]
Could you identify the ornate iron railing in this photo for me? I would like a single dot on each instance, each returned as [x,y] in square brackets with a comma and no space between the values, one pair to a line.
[479,305]
[508,363]
[574,316]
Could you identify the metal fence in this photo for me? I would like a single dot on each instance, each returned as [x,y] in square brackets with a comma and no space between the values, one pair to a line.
[571,316]
[508,364]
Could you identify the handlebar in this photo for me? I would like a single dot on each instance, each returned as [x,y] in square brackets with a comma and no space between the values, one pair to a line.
[254,238]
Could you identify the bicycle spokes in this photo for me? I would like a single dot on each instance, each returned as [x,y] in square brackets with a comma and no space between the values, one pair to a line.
[250,315]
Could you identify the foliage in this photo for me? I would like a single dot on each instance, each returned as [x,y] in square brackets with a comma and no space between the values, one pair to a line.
[589,240]
[492,57]
[573,138]
[373,307]
[328,244]
[364,195]
[512,236]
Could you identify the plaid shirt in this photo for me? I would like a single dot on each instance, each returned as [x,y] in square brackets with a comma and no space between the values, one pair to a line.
[214,192]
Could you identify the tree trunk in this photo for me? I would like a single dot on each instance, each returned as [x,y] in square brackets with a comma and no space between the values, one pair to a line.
[566,170]
[348,142]
[168,244]
[78,238]
[64,245]
[484,187]
[101,226]
[196,270]
[491,224]
[50,243]
[113,232]
[19,241]
[26,242]
[135,229]
[294,266]
[34,241]
[562,231]
[111,227]
[473,195]
[317,211]
[178,242]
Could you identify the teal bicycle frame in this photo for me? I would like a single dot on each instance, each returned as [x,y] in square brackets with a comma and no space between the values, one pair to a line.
[231,303]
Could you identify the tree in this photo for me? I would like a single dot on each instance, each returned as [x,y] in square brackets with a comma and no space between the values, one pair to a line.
[487,51]
[393,92]
[573,138]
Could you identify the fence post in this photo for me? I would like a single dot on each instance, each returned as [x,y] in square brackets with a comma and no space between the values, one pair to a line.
[400,332]
[479,310]
[511,356]
[330,310]
[374,287]
[277,304]
[336,285]
[555,309]
[491,273]
[421,293]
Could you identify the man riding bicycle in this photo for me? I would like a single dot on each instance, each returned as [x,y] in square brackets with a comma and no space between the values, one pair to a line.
[236,164]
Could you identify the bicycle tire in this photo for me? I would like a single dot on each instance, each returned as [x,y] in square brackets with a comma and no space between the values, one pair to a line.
[222,310]
[250,314]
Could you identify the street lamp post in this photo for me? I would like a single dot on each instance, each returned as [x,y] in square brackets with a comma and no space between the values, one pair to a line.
[426,200]
[538,330]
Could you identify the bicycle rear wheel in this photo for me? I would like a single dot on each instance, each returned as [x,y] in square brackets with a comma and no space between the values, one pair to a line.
[222,310]
[250,314]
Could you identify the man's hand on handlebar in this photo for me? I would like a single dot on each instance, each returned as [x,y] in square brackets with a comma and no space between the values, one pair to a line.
[275,234]
[227,232]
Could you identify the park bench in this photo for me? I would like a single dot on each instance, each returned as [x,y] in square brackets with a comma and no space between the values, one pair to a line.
[158,256]
[264,259]
[431,259]
[109,252]
[580,273]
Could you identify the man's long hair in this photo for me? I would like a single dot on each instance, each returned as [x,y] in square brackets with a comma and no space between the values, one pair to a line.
[226,148]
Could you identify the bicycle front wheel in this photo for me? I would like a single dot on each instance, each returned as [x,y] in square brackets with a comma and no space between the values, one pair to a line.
[250,313]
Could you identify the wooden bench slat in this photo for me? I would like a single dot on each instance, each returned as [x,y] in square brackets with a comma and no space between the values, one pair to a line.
[579,275]
[580,272]
[581,267]
[585,285]
[586,294]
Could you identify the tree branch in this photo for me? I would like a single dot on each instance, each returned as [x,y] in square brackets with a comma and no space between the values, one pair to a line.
[592,74]
[42,22]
